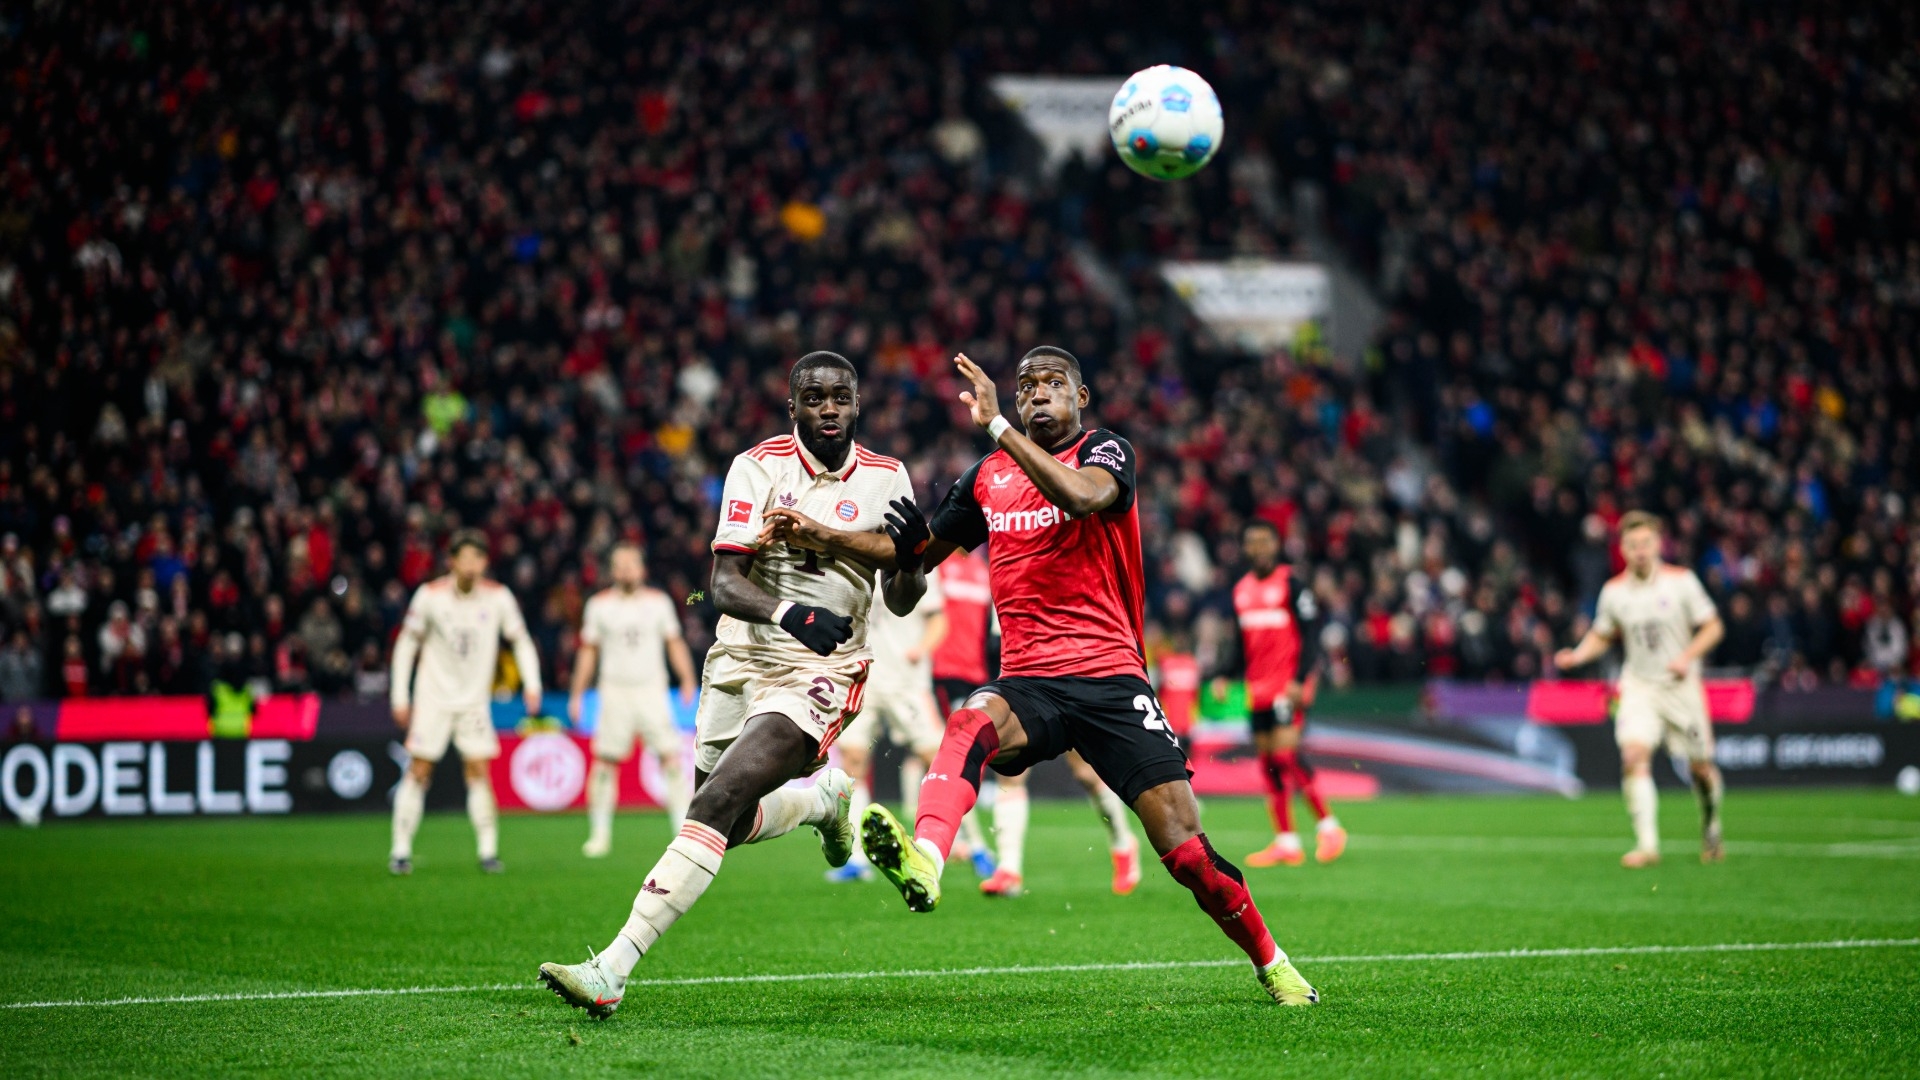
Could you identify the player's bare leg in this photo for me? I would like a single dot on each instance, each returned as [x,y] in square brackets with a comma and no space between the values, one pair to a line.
[741,802]
[1171,816]
[978,732]
[1709,787]
[409,805]
[679,786]
[1121,843]
[1285,849]
[603,791]
[1643,805]
[483,812]
[1329,839]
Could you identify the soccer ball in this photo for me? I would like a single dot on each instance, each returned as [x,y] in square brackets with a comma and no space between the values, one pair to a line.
[1165,122]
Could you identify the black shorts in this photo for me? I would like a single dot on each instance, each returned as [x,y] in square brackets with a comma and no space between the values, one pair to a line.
[950,694]
[1115,722]
[1265,720]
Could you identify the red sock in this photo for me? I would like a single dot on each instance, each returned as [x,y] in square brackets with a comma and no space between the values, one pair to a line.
[1222,893]
[952,785]
[1279,799]
[1303,778]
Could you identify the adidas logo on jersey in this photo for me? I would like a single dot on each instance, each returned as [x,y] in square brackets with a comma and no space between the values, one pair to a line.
[1025,520]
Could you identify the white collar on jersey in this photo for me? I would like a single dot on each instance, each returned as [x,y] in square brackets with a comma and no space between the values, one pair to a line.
[815,467]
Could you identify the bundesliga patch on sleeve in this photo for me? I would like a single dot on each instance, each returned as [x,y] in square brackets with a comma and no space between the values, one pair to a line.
[739,511]
[1109,453]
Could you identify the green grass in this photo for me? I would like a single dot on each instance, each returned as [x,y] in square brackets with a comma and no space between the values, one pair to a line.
[102,910]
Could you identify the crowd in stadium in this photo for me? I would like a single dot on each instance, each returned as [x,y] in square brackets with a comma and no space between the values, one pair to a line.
[312,286]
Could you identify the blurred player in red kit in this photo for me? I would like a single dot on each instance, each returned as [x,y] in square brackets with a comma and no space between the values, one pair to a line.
[1278,651]
[1068,583]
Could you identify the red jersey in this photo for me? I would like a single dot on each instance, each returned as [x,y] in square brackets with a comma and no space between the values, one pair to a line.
[1179,690]
[1071,592]
[962,654]
[1273,647]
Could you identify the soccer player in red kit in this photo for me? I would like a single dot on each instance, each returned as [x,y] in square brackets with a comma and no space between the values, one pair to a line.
[1279,653]
[1066,570]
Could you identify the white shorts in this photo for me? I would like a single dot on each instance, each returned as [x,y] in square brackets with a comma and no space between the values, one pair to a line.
[908,715]
[1650,715]
[471,731]
[820,700]
[629,712]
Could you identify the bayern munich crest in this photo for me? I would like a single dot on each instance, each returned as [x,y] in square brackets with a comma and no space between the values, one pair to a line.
[847,510]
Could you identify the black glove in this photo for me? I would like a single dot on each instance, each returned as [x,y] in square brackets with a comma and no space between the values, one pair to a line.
[910,535]
[817,628]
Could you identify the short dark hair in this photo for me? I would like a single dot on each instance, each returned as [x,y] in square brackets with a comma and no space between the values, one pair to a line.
[819,358]
[1058,353]
[466,538]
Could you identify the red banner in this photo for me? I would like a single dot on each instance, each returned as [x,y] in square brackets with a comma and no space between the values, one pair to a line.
[179,719]
[1589,701]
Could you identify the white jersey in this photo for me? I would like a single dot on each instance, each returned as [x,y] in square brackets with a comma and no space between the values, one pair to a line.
[457,638]
[631,630]
[1653,619]
[781,472]
[892,635]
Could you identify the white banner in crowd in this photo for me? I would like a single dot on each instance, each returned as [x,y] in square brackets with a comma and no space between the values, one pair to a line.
[1066,113]
[1254,303]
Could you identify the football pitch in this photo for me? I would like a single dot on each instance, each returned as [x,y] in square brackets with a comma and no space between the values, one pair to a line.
[1494,936]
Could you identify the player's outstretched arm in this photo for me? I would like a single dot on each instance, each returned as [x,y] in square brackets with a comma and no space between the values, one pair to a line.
[1077,491]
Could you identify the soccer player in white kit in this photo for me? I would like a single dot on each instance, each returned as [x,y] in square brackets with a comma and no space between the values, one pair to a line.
[453,626]
[789,666]
[1664,618]
[624,632]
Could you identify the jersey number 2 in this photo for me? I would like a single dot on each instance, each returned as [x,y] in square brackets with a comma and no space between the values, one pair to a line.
[1151,716]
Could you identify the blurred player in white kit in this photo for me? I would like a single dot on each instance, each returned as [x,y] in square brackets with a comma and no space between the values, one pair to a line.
[900,701]
[624,633]
[1664,618]
[453,626]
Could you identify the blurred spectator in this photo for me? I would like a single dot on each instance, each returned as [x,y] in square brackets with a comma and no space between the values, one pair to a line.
[20,669]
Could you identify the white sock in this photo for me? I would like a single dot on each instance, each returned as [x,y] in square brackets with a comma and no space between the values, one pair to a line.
[409,802]
[603,789]
[1643,808]
[1279,954]
[932,851]
[1114,813]
[862,798]
[912,772]
[972,833]
[786,809]
[684,871]
[1010,829]
[679,788]
[1328,823]
[1288,841]
[485,815]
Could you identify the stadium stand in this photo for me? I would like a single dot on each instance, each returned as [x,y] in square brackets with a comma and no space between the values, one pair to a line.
[313,285]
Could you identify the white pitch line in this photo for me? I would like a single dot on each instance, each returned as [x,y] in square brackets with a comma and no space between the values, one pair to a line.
[1550,845]
[1025,969]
